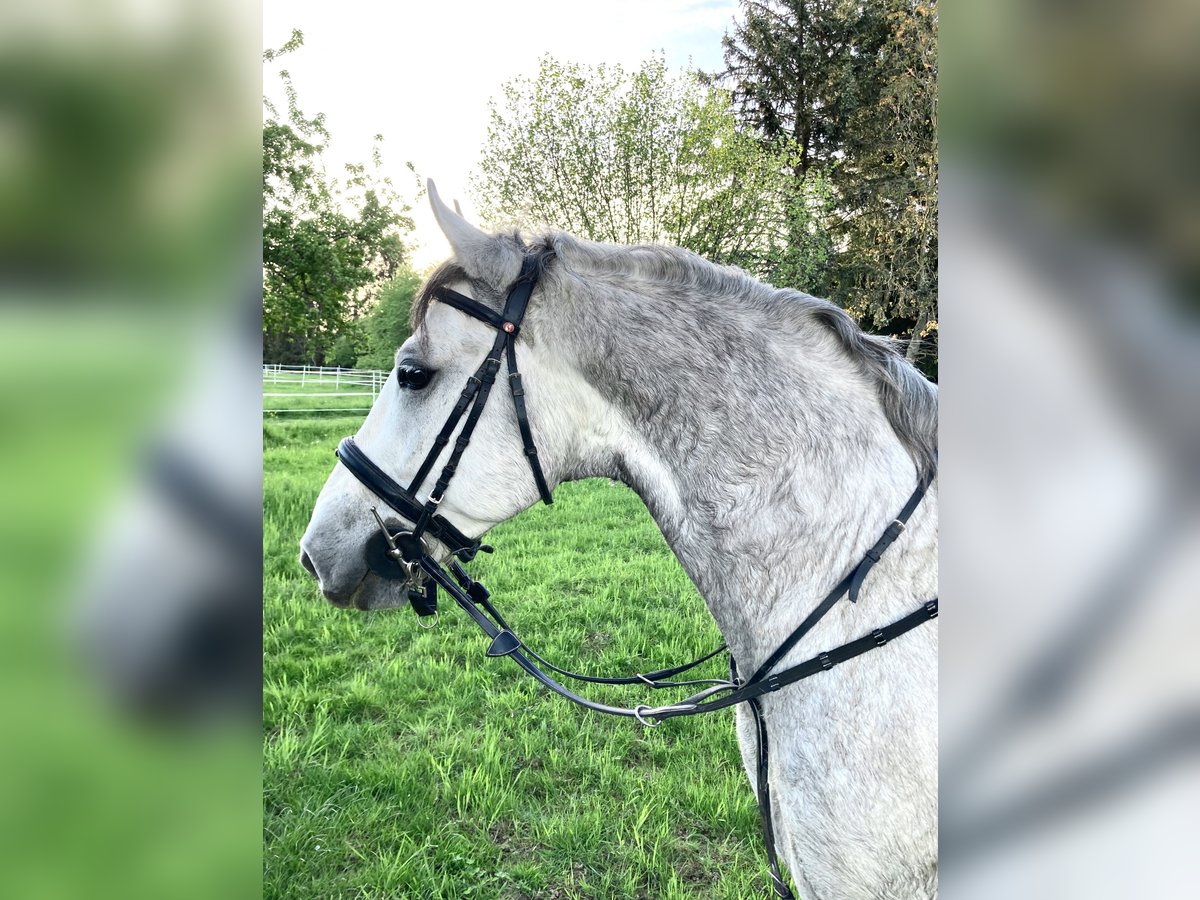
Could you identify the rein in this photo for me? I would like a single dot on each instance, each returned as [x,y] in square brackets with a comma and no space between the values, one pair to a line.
[403,555]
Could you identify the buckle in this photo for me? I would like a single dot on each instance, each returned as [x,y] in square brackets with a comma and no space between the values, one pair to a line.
[880,637]
[931,607]
[826,662]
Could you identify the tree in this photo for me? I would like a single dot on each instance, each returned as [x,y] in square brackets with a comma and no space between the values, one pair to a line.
[386,327]
[326,243]
[888,181]
[797,73]
[854,87]
[632,157]
[349,345]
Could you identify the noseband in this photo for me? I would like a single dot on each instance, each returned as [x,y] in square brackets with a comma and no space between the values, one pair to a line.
[403,555]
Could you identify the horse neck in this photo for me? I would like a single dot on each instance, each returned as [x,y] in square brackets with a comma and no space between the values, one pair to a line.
[760,450]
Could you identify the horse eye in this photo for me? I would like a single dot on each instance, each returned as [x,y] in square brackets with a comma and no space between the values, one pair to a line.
[412,376]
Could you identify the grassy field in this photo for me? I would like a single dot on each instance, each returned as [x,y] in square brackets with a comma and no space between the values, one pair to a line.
[286,397]
[400,762]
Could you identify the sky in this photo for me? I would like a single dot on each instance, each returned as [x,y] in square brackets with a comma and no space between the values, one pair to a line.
[421,74]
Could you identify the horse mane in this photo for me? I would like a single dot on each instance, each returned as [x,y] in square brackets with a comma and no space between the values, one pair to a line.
[908,399]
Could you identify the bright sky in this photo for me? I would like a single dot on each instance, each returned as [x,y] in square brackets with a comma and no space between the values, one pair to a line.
[421,73]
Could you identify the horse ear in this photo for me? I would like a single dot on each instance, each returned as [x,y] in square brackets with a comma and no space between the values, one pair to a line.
[465,239]
[479,253]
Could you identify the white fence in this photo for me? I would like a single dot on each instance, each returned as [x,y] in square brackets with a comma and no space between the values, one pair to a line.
[320,381]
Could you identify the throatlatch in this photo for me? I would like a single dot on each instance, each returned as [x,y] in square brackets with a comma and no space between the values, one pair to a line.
[404,555]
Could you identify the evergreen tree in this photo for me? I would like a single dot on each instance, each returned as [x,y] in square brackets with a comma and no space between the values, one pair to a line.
[887,182]
[799,69]
[853,87]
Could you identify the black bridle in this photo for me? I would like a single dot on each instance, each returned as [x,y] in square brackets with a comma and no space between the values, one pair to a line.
[397,554]
[404,555]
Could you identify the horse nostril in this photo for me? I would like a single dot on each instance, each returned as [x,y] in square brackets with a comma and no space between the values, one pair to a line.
[307,562]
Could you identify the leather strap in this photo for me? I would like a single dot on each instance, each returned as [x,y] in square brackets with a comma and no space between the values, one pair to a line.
[487,377]
[382,486]
[659,678]
[475,309]
[763,792]
[443,438]
[889,535]
[518,395]
[496,632]
[471,595]
[848,583]
[822,662]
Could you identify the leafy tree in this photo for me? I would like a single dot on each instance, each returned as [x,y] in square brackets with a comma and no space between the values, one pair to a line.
[386,327]
[348,346]
[888,181]
[631,157]
[853,87]
[326,243]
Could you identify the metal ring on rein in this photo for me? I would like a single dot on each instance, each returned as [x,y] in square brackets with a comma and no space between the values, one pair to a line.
[436,618]
[637,714]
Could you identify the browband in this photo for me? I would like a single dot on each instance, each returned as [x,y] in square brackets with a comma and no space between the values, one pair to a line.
[475,309]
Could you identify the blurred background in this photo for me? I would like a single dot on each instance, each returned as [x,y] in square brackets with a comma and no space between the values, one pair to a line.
[130,494]
[1070,371]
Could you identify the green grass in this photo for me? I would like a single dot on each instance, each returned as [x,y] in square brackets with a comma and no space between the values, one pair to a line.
[274,407]
[307,397]
[400,762]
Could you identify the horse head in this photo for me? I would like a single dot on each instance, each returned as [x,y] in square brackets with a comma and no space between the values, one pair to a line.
[434,390]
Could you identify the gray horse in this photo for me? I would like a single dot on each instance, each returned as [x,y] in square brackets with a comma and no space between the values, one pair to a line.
[772,441]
